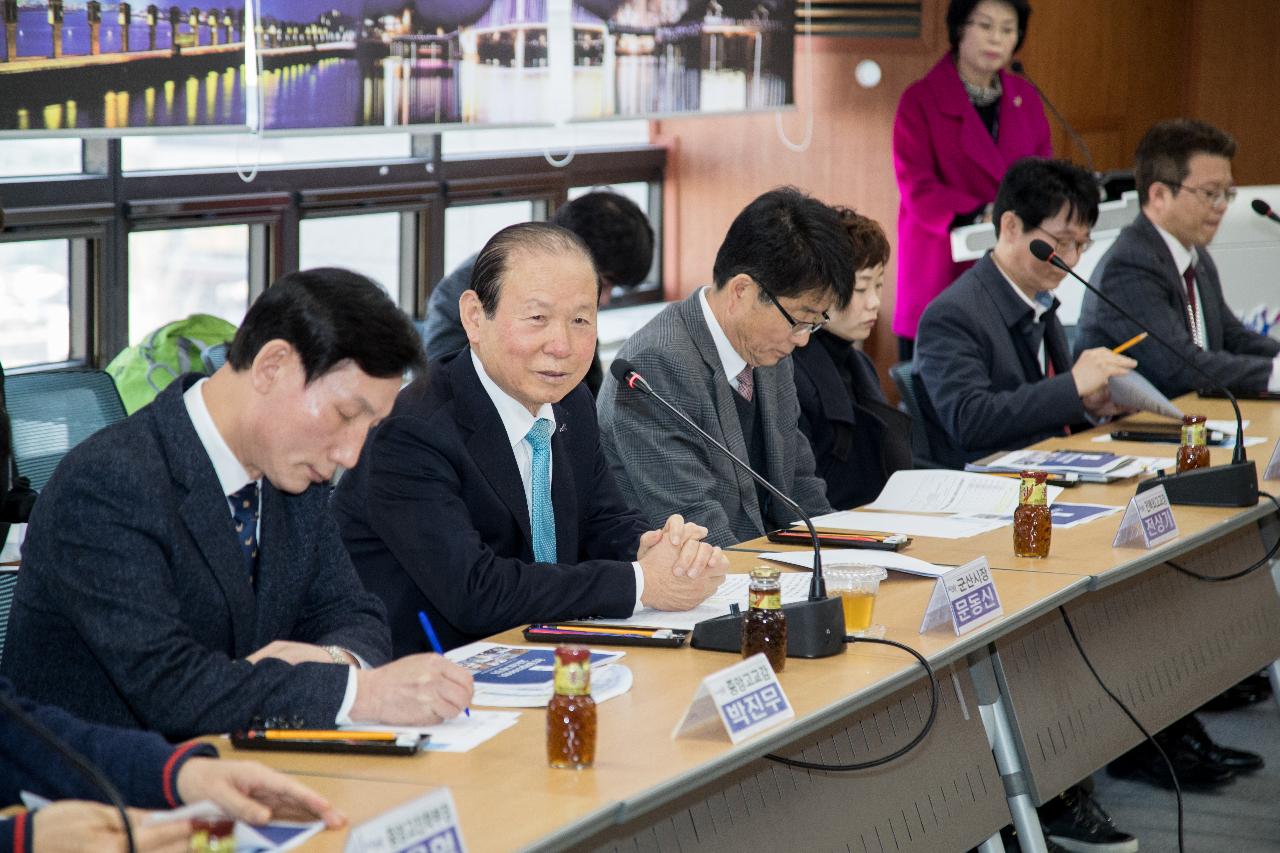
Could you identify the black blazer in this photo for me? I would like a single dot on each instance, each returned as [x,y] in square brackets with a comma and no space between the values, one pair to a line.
[133,605]
[858,441]
[982,387]
[435,517]
[1138,273]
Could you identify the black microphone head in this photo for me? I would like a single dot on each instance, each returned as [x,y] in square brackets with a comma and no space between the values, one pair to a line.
[620,368]
[1016,67]
[1260,207]
[1042,250]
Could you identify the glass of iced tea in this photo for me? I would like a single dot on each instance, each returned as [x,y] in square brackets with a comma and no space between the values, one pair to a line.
[857,587]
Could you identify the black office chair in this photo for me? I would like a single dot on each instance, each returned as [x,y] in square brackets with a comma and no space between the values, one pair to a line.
[922,455]
[52,411]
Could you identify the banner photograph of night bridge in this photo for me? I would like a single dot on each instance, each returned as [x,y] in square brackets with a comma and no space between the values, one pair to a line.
[656,57]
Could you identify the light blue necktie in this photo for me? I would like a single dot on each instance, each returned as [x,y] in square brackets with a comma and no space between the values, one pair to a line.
[542,515]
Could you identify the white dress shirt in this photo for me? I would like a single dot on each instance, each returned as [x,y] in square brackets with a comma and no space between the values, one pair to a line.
[517,421]
[232,478]
[730,361]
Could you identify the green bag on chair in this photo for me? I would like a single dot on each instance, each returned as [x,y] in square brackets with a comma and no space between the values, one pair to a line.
[141,372]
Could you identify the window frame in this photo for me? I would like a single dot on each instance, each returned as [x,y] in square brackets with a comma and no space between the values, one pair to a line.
[98,209]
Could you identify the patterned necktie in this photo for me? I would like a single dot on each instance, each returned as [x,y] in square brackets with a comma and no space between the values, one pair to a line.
[1193,312]
[244,509]
[542,516]
[746,387]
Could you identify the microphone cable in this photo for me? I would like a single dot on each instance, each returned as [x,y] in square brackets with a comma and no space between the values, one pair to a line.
[76,760]
[1262,561]
[1177,789]
[897,753]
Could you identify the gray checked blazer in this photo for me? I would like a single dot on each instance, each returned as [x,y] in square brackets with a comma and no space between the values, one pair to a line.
[663,467]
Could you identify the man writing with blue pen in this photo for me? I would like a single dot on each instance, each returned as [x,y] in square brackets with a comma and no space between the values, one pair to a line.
[484,500]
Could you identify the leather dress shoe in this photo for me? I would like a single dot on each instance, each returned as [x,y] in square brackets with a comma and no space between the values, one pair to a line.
[1144,764]
[1192,735]
[1255,688]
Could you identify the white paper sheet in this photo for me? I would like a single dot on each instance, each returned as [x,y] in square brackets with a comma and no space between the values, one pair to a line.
[461,734]
[937,526]
[853,557]
[1134,392]
[932,490]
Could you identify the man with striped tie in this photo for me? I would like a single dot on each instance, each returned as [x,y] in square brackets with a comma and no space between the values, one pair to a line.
[484,500]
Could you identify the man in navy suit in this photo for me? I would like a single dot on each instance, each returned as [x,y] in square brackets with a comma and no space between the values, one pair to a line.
[485,500]
[992,356]
[1159,269]
[182,572]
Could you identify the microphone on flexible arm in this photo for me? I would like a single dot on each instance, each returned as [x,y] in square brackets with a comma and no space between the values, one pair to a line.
[1235,484]
[1018,68]
[1261,208]
[815,628]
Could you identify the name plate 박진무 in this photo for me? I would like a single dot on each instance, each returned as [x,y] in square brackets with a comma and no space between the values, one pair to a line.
[1148,521]
[427,823]
[746,697]
[966,596]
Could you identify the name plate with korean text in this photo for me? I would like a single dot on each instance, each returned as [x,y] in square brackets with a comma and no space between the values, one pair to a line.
[966,597]
[1148,521]
[1272,471]
[745,697]
[428,823]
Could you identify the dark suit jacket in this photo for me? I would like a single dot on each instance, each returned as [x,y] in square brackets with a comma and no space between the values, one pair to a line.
[858,439]
[982,388]
[663,467]
[1138,273]
[135,762]
[133,605]
[435,517]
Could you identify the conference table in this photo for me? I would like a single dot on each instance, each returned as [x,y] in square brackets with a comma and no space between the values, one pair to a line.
[1020,717]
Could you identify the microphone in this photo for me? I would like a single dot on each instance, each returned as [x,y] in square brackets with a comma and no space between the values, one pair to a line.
[815,628]
[1235,484]
[1017,68]
[1261,208]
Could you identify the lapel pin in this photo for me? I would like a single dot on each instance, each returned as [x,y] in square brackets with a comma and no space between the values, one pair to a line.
[1017,100]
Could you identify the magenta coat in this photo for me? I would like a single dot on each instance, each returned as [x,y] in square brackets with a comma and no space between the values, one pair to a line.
[948,164]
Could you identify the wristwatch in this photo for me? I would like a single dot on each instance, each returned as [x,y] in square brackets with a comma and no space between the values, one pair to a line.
[340,655]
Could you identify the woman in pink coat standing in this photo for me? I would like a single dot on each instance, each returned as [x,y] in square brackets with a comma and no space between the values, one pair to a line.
[956,132]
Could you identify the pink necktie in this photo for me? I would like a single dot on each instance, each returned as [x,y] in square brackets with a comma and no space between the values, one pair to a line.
[745,386]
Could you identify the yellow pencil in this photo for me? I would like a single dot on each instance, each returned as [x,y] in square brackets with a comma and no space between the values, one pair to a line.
[1134,341]
[326,734]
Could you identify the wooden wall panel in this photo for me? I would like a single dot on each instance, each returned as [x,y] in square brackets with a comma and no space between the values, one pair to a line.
[1235,80]
[716,165]
[1113,67]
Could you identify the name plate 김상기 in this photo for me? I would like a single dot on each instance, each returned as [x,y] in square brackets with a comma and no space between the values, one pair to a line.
[966,596]
[1148,521]
[746,697]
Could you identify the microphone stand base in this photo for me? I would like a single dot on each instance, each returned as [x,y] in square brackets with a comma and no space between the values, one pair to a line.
[1235,484]
[815,629]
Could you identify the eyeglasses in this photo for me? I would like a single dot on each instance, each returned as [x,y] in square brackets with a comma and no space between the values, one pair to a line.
[797,328]
[987,27]
[1212,197]
[1062,246]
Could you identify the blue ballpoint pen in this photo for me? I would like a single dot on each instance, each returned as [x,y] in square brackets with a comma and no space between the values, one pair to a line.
[434,641]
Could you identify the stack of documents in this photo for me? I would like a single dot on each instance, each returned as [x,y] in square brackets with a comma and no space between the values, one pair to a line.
[1088,466]
[734,589]
[834,558]
[523,676]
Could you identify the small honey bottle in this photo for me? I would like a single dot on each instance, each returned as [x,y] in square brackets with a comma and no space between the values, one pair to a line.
[1194,451]
[764,628]
[571,713]
[1032,520]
